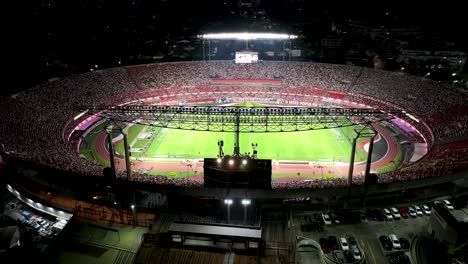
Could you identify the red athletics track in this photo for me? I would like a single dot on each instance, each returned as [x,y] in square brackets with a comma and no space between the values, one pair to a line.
[339,170]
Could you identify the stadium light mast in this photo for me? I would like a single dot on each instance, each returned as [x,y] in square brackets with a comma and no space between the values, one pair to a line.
[363,132]
[236,135]
[111,150]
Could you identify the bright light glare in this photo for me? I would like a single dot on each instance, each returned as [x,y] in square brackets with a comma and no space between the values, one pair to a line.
[132,206]
[246,36]
[219,160]
[412,117]
[231,162]
[228,201]
[244,162]
[245,201]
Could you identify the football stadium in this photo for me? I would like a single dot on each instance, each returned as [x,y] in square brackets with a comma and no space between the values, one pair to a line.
[70,129]
[199,137]
[79,139]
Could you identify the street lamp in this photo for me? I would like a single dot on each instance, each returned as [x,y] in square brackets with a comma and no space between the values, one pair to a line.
[245,203]
[132,206]
[228,202]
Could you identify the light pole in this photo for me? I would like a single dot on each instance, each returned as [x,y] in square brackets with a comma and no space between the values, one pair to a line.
[228,202]
[245,203]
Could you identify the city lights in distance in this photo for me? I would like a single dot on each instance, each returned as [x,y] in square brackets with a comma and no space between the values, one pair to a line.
[247,36]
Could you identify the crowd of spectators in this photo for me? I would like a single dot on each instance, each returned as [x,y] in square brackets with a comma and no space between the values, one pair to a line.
[35,122]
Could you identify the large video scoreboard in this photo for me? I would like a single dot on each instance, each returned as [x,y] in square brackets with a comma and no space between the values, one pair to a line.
[246,57]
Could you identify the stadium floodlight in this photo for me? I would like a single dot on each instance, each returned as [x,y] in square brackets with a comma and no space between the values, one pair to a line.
[228,201]
[231,162]
[247,36]
[245,201]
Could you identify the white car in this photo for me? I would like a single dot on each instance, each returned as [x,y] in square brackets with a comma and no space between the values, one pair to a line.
[387,214]
[412,211]
[395,213]
[356,253]
[395,242]
[448,205]
[418,210]
[326,219]
[344,244]
[426,209]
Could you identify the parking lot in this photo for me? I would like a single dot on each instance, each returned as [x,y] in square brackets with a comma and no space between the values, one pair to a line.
[367,233]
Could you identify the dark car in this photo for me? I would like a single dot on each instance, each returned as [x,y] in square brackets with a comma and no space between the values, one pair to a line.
[333,242]
[352,241]
[375,214]
[325,245]
[339,256]
[385,242]
[403,212]
[399,259]
[405,244]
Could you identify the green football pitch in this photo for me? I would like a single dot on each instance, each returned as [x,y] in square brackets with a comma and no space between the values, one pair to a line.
[317,145]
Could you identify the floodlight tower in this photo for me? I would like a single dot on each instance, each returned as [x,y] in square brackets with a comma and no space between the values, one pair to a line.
[366,131]
[245,36]
[111,149]
[236,134]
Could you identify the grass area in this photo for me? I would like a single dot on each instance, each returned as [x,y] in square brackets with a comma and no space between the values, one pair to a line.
[133,132]
[90,151]
[318,145]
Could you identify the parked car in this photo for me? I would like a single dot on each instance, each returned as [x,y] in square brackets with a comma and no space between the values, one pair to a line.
[398,259]
[426,209]
[388,214]
[334,218]
[385,242]
[412,212]
[375,214]
[326,219]
[339,256]
[395,213]
[352,241]
[403,212]
[344,244]
[325,245]
[448,205]
[363,218]
[405,244]
[418,210]
[356,253]
[333,242]
[395,242]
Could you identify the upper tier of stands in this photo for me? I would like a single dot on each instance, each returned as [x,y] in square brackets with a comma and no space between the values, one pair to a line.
[34,121]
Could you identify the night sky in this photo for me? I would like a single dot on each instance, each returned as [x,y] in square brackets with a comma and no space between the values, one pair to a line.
[67,36]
